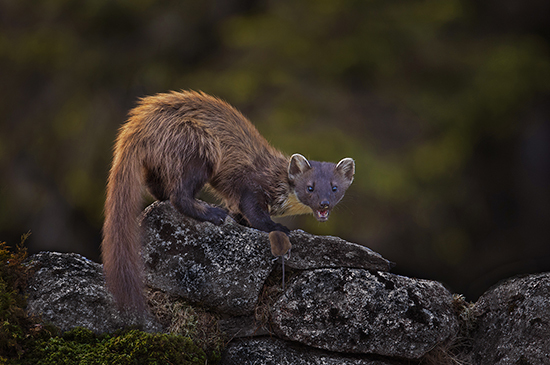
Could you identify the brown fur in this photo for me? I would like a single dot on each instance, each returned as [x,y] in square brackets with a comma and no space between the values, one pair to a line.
[176,143]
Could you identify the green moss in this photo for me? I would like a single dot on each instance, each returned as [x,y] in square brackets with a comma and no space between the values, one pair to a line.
[82,346]
[183,319]
[26,340]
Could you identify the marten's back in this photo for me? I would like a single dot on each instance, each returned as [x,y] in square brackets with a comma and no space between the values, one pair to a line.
[240,154]
[162,115]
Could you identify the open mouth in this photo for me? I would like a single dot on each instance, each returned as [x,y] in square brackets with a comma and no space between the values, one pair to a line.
[322,214]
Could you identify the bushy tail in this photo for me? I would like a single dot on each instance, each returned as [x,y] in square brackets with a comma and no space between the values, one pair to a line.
[122,262]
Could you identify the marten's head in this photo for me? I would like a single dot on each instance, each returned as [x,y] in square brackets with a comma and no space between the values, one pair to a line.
[320,185]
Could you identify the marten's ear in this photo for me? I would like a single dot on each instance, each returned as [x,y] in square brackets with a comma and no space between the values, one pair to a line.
[297,166]
[347,167]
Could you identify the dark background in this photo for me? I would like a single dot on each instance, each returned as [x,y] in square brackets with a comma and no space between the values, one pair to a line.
[444,105]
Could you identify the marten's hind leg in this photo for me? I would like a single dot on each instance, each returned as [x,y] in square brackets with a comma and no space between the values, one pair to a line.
[155,184]
[190,182]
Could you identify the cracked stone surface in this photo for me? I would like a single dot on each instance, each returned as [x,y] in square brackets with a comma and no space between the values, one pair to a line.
[224,267]
[272,351]
[314,252]
[69,291]
[360,311]
[341,306]
[513,322]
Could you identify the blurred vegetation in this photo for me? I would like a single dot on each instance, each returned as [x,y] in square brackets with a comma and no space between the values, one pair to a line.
[443,105]
[15,325]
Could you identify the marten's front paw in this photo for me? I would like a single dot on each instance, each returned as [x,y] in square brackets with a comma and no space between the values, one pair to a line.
[216,215]
[281,228]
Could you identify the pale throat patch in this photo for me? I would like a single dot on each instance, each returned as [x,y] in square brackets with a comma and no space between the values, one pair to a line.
[291,206]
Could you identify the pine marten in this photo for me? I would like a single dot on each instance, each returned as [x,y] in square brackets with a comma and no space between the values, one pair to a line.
[175,143]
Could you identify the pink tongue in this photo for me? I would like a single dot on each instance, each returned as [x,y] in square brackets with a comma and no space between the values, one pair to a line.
[323,213]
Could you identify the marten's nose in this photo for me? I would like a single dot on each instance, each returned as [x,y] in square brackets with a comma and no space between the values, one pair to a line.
[324,204]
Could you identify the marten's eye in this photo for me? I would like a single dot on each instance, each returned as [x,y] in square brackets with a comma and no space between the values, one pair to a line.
[334,189]
[310,188]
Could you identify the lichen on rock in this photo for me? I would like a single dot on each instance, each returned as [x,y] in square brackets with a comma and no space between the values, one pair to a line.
[360,311]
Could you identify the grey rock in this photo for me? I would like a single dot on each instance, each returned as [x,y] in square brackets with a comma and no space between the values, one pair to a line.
[513,323]
[222,267]
[340,298]
[314,252]
[357,311]
[69,291]
[242,326]
[272,351]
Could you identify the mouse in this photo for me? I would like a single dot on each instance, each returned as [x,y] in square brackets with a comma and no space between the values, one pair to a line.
[280,247]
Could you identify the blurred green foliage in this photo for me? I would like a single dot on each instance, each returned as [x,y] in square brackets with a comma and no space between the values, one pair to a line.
[13,320]
[429,97]
[17,329]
